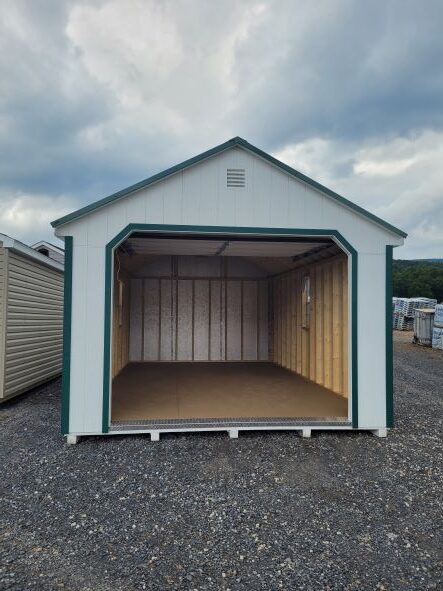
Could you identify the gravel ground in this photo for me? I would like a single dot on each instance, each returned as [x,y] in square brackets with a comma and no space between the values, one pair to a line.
[266,511]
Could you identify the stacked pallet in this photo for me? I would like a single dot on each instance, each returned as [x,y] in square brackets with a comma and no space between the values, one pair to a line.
[437,331]
[403,311]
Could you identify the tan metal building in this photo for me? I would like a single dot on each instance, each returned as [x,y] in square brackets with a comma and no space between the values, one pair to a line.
[31,317]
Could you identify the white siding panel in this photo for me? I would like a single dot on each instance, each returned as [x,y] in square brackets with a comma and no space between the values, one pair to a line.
[366,237]
[271,198]
[34,320]
[263,192]
[117,218]
[208,198]
[82,296]
[279,199]
[192,189]
[227,198]
[371,341]
[93,339]
[136,208]
[245,204]
[297,203]
[172,200]
[97,228]
[155,205]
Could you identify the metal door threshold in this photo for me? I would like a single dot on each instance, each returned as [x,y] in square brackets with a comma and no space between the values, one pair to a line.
[243,422]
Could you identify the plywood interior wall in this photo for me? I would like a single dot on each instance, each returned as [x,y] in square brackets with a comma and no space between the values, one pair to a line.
[198,309]
[317,348]
[120,320]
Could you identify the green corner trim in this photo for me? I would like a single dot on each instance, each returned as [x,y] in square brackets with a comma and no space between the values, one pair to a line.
[223,230]
[389,343]
[67,321]
[239,142]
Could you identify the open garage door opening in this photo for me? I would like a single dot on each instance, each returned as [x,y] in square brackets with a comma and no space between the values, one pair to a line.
[229,329]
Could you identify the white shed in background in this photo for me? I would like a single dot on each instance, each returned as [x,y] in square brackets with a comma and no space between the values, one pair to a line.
[50,250]
[31,317]
[228,292]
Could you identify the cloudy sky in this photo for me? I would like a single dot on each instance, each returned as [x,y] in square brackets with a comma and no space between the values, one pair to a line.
[96,95]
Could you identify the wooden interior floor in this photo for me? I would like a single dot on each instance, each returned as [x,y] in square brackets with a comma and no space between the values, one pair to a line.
[149,391]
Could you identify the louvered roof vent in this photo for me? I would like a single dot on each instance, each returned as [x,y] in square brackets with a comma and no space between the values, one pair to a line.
[236,177]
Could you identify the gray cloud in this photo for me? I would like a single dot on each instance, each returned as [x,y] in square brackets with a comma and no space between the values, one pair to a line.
[98,95]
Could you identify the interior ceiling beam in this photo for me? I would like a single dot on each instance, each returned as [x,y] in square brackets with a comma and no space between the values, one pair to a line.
[319,254]
[310,253]
[230,238]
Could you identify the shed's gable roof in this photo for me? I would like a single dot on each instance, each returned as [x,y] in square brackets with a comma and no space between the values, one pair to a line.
[234,142]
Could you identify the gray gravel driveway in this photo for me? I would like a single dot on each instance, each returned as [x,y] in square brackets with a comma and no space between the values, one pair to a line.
[264,512]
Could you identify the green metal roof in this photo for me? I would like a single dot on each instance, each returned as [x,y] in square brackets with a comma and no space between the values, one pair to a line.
[239,142]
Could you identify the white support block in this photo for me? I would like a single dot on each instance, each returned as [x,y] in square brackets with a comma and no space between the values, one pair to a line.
[72,439]
[233,433]
[306,432]
[155,435]
[380,432]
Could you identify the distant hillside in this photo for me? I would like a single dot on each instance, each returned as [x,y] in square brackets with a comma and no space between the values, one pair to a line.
[422,277]
[440,261]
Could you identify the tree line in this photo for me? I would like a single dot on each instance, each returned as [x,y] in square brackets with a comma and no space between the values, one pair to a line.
[418,278]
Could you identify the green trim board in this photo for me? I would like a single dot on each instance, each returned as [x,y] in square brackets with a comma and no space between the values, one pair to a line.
[187,229]
[389,343]
[67,322]
[234,142]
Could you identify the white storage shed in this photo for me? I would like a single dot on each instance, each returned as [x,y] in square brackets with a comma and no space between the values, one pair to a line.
[31,317]
[50,250]
[229,292]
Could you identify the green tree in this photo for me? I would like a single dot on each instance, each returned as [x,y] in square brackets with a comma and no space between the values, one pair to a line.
[418,279]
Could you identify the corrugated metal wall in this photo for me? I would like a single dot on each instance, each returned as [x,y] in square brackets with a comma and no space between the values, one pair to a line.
[34,324]
[316,348]
[210,310]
